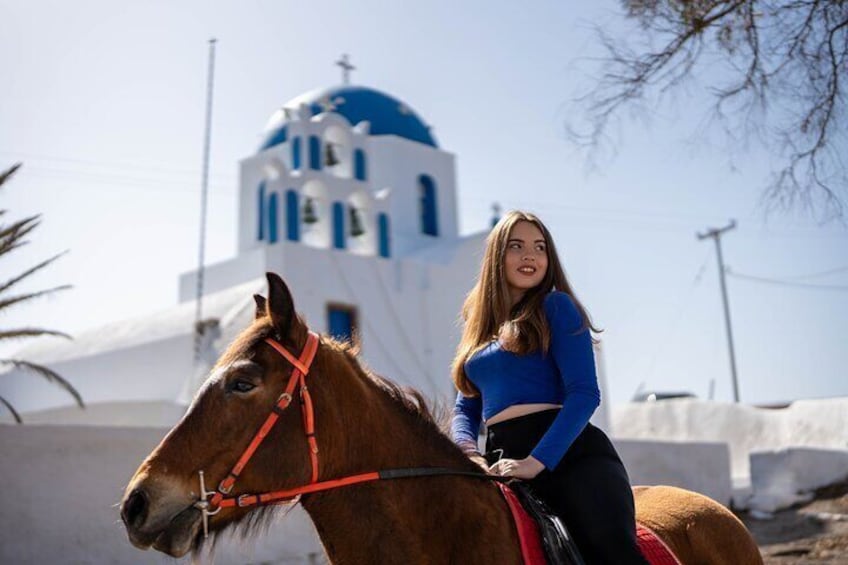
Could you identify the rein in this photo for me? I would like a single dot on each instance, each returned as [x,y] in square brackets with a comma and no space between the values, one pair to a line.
[301,366]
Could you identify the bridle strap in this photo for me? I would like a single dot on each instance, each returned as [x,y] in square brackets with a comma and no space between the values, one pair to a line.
[245,500]
[300,369]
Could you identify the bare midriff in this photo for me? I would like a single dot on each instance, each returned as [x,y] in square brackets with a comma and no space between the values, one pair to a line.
[517,410]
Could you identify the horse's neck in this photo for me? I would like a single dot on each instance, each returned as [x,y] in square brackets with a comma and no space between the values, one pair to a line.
[413,520]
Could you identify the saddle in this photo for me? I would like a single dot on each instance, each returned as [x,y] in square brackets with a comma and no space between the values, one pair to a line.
[557,545]
[545,540]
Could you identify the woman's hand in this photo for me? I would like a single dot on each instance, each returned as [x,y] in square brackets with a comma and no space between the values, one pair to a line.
[526,468]
[480,460]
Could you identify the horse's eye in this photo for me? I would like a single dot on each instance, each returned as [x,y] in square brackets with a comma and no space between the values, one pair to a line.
[241,385]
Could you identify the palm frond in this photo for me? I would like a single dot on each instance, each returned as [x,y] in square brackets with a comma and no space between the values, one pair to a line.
[4,176]
[49,374]
[12,236]
[13,281]
[11,409]
[30,332]
[5,303]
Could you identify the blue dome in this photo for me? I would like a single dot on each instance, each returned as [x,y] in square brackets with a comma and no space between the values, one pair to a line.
[387,115]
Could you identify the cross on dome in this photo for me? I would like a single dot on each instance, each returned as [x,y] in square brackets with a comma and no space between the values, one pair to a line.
[346,66]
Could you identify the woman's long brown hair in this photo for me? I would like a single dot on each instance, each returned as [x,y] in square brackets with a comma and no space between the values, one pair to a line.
[487,312]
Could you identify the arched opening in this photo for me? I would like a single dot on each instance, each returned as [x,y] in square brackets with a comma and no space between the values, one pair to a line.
[296,153]
[428,205]
[361,230]
[273,207]
[292,216]
[360,165]
[338,225]
[260,212]
[337,152]
[314,213]
[383,228]
[314,153]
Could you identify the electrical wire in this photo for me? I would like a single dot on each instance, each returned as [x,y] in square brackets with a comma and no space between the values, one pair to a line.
[785,282]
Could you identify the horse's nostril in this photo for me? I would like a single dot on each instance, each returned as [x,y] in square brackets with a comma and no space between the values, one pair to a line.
[134,508]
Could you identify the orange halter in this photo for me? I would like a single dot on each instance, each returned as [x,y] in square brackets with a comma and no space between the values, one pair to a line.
[301,366]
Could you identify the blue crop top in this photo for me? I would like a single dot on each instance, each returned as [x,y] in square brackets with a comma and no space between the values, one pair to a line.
[566,375]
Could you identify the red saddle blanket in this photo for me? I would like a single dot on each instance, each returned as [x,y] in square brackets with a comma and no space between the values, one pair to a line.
[652,547]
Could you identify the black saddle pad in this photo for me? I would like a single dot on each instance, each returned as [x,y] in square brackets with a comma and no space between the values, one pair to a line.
[557,542]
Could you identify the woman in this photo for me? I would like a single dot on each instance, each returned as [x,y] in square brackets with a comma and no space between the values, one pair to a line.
[525,365]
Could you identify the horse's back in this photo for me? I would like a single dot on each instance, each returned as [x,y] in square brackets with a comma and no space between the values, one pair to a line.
[696,528]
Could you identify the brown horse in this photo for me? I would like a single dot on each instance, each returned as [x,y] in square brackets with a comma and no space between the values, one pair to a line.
[362,423]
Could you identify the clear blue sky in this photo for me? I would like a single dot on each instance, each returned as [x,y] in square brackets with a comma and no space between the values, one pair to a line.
[104,103]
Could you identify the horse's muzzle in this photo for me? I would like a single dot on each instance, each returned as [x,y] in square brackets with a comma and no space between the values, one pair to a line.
[168,525]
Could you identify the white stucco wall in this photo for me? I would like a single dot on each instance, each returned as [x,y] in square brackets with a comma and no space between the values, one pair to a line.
[61,485]
[805,423]
[783,477]
[699,466]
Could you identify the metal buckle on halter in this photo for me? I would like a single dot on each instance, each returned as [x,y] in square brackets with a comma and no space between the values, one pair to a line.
[221,488]
[242,500]
[202,504]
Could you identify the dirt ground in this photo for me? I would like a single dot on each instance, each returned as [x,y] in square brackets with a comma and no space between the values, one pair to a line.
[815,532]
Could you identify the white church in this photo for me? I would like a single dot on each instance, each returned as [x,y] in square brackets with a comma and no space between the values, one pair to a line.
[352,201]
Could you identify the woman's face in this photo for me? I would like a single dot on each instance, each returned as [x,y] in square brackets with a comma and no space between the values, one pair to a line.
[525,259]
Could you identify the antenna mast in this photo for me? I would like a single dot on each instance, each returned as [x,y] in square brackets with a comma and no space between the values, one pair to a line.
[198,326]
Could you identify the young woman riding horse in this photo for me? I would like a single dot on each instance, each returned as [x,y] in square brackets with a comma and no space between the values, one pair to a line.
[525,364]
[285,415]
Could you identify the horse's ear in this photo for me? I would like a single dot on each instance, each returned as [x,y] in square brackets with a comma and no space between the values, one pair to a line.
[261,306]
[280,304]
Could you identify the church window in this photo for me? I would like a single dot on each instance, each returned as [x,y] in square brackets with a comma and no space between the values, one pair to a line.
[260,206]
[314,152]
[383,229]
[338,225]
[359,165]
[292,216]
[273,206]
[429,206]
[296,153]
[342,322]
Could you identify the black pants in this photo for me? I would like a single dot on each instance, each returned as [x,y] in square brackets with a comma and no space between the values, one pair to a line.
[589,489]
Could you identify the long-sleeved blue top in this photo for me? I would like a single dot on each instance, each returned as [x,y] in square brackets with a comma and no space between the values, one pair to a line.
[566,375]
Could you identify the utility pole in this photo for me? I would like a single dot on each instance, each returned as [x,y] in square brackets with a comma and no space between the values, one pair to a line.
[204,189]
[715,234]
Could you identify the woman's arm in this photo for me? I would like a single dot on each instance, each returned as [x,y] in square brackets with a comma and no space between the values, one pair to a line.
[465,426]
[575,360]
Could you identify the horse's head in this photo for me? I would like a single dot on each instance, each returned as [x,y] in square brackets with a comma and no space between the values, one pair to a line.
[159,505]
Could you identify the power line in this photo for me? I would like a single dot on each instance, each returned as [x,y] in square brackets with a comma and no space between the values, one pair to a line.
[786,283]
[27,158]
[820,274]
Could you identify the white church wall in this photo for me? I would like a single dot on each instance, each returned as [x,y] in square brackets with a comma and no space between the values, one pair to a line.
[224,274]
[409,160]
[150,371]
[67,481]
[407,309]
[117,413]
